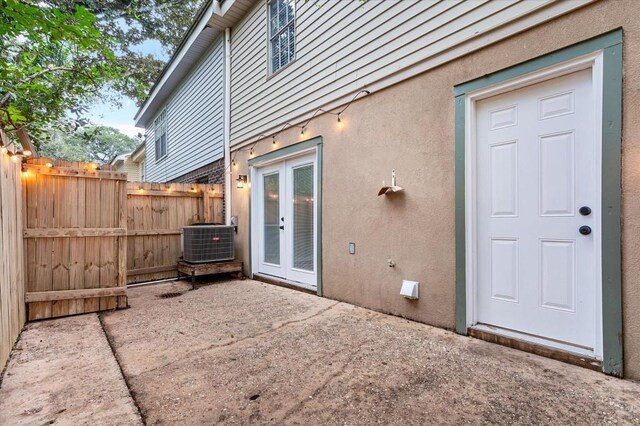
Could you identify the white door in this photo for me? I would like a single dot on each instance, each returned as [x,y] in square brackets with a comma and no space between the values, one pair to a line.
[538,212]
[286,220]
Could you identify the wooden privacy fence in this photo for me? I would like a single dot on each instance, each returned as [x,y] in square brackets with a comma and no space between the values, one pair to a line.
[12,309]
[74,237]
[156,214]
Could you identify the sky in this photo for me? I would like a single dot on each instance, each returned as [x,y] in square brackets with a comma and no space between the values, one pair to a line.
[122,118]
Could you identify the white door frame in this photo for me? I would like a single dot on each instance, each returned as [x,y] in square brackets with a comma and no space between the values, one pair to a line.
[593,61]
[254,169]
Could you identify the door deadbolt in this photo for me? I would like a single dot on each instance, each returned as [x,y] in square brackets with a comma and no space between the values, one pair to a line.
[585,211]
[585,230]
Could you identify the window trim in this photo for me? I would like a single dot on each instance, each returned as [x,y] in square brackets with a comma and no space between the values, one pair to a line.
[270,71]
[163,115]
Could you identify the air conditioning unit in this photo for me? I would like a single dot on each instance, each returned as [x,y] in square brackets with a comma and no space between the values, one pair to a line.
[207,243]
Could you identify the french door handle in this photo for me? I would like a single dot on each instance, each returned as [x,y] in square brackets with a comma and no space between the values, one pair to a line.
[282,227]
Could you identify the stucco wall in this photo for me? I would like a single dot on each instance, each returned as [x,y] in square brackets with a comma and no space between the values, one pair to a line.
[410,127]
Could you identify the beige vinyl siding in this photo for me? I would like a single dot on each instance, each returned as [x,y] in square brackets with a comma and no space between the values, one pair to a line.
[132,169]
[194,121]
[343,46]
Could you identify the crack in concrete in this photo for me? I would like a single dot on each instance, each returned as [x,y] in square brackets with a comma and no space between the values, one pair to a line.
[340,371]
[234,342]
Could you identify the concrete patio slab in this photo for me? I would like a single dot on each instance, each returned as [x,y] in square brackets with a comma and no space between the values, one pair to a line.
[242,352]
[64,372]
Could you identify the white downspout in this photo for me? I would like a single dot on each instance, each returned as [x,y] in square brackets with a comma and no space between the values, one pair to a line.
[227,125]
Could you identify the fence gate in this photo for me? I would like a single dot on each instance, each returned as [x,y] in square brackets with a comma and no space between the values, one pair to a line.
[75,238]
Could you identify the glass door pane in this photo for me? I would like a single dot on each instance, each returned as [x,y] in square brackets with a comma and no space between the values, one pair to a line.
[303,208]
[272,218]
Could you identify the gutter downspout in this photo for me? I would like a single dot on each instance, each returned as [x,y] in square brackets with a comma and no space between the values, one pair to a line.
[227,125]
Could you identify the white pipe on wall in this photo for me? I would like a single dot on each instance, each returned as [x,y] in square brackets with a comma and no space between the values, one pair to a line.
[228,177]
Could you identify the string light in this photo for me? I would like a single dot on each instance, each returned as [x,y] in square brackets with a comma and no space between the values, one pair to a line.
[27,153]
[50,165]
[302,127]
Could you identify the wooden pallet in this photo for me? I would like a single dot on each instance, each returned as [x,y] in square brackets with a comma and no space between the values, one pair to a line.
[194,270]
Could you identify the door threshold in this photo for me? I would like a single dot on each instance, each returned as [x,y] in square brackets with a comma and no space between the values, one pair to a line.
[515,340]
[293,285]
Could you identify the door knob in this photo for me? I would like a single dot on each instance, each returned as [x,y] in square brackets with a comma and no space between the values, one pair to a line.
[585,211]
[585,230]
[282,227]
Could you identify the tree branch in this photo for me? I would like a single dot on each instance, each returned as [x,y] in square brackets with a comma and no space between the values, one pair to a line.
[27,79]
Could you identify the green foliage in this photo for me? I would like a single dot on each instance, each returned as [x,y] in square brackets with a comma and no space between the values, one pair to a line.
[51,62]
[99,143]
[57,57]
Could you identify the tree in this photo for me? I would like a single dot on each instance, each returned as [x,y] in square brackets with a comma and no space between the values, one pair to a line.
[132,22]
[99,144]
[59,56]
[51,62]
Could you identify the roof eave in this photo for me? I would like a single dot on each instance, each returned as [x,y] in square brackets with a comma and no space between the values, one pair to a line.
[195,29]
[213,14]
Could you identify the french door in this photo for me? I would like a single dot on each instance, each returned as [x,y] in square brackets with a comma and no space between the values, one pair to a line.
[285,220]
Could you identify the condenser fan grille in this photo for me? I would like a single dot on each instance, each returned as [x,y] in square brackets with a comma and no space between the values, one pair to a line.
[208,243]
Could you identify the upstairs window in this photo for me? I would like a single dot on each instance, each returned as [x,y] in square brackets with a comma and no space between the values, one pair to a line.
[282,33]
[160,135]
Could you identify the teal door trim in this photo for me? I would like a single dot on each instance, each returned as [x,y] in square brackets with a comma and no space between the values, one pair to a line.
[280,154]
[611,46]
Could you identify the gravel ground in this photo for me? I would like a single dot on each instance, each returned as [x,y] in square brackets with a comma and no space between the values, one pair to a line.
[63,372]
[243,352]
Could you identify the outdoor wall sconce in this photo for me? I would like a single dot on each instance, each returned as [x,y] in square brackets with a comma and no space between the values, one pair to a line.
[390,189]
[241,181]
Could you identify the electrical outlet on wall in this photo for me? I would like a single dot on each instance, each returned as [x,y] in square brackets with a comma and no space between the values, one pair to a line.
[352,248]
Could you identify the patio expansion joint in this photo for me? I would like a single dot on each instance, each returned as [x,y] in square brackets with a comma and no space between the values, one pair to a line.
[109,338]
